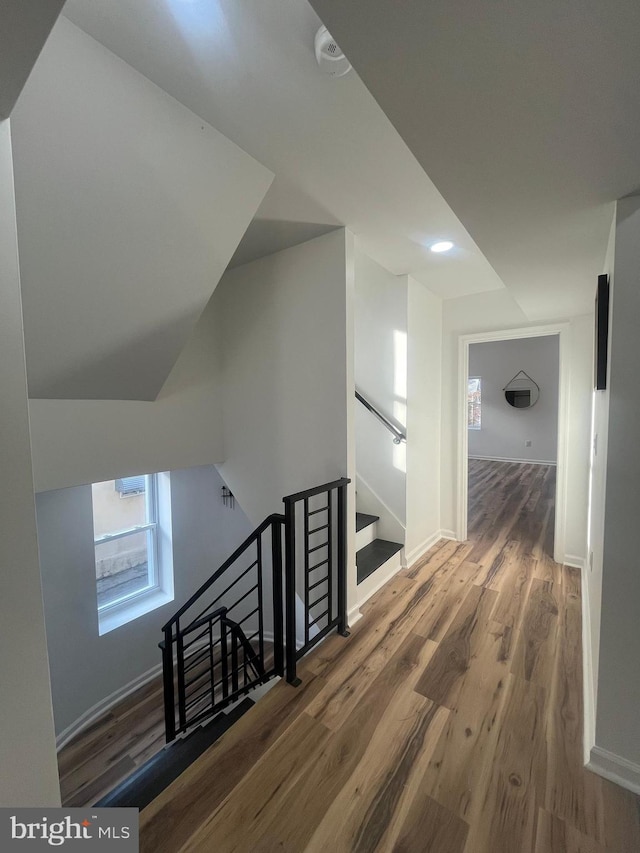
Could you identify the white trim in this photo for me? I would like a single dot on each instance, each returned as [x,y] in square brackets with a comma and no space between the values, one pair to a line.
[96,711]
[589,711]
[464,342]
[511,459]
[449,534]
[386,572]
[422,549]
[574,561]
[615,768]
[354,615]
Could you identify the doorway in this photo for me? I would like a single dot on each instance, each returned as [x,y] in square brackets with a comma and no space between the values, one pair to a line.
[501,453]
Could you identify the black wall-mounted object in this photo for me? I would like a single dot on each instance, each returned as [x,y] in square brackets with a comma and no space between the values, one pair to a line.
[602,332]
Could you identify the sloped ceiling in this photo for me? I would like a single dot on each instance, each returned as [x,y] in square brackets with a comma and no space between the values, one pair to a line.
[129,209]
[526,115]
[24,27]
[249,69]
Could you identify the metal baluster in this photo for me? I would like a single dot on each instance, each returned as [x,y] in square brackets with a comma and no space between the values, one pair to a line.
[276,573]
[224,661]
[306,571]
[290,591]
[234,660]
[330,547]
[260,603]
[182,714]
[342,561]
[167,677]
[212,668]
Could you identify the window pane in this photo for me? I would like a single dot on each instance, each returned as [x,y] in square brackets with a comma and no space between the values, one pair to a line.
[113,511]
[474,402]
[122,567]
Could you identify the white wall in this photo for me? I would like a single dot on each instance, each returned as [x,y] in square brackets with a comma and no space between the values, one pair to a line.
[504,429]
[618,700]
[381,377]
[86,668]
[182,428]
[497,311]
[592,577]
[286,389]
[423,418]
[27,747]
[130,207]
[24,28]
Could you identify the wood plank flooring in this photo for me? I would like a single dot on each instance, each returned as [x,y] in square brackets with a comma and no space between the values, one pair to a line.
[119,742]
[449,722]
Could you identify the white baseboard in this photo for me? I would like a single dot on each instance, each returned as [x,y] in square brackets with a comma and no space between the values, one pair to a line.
[574,561]
[89,717]
[589,711]
[615,768]
[448,534]
[512,459]
[354,615]
[418,552]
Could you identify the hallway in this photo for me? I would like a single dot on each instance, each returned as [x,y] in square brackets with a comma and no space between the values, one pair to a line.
[450,721]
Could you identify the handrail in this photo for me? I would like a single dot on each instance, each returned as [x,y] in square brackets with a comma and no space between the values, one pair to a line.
[211,661]
[399,436]
[275,517]
[317,490]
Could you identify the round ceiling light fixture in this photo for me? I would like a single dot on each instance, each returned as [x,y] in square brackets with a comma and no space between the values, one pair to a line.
[442,246]
[331,59]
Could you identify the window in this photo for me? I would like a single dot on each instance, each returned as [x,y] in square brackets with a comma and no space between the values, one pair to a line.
[132,561]
[474,402]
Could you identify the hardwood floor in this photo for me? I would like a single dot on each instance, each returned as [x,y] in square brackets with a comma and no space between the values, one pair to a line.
[449,722]
[113,747]
[119,742]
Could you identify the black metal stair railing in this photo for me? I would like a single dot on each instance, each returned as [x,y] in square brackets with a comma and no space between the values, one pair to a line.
[231,635]
[228,637]
[316,568]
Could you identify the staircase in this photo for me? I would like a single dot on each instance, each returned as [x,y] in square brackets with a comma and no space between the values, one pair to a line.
[276,597]
[373,553]
[156,774]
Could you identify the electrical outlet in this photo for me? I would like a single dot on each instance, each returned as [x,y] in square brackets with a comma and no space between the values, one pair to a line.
[527,443]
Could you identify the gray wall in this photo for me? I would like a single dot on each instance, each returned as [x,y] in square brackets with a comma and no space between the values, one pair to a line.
[28,775]
[618,696]
[505,429]
[85,667]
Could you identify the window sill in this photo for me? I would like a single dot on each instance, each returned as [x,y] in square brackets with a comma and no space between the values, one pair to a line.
[114,618]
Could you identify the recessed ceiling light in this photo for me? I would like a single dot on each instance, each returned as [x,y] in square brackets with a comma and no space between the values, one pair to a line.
[443,246]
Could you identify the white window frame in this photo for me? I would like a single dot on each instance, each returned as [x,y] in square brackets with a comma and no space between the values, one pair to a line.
[471,426]
[159,590]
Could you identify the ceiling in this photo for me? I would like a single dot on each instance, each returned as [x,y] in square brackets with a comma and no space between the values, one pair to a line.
[526,115]
[129,208]
[249,70]
[24,28]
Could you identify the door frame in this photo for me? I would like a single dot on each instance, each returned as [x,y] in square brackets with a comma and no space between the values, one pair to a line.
[562,330]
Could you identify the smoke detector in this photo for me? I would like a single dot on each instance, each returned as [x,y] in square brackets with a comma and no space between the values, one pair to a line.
[331,59]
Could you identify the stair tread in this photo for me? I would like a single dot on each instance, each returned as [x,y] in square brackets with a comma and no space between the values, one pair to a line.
[364,520]
[374,555]
[156,774]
